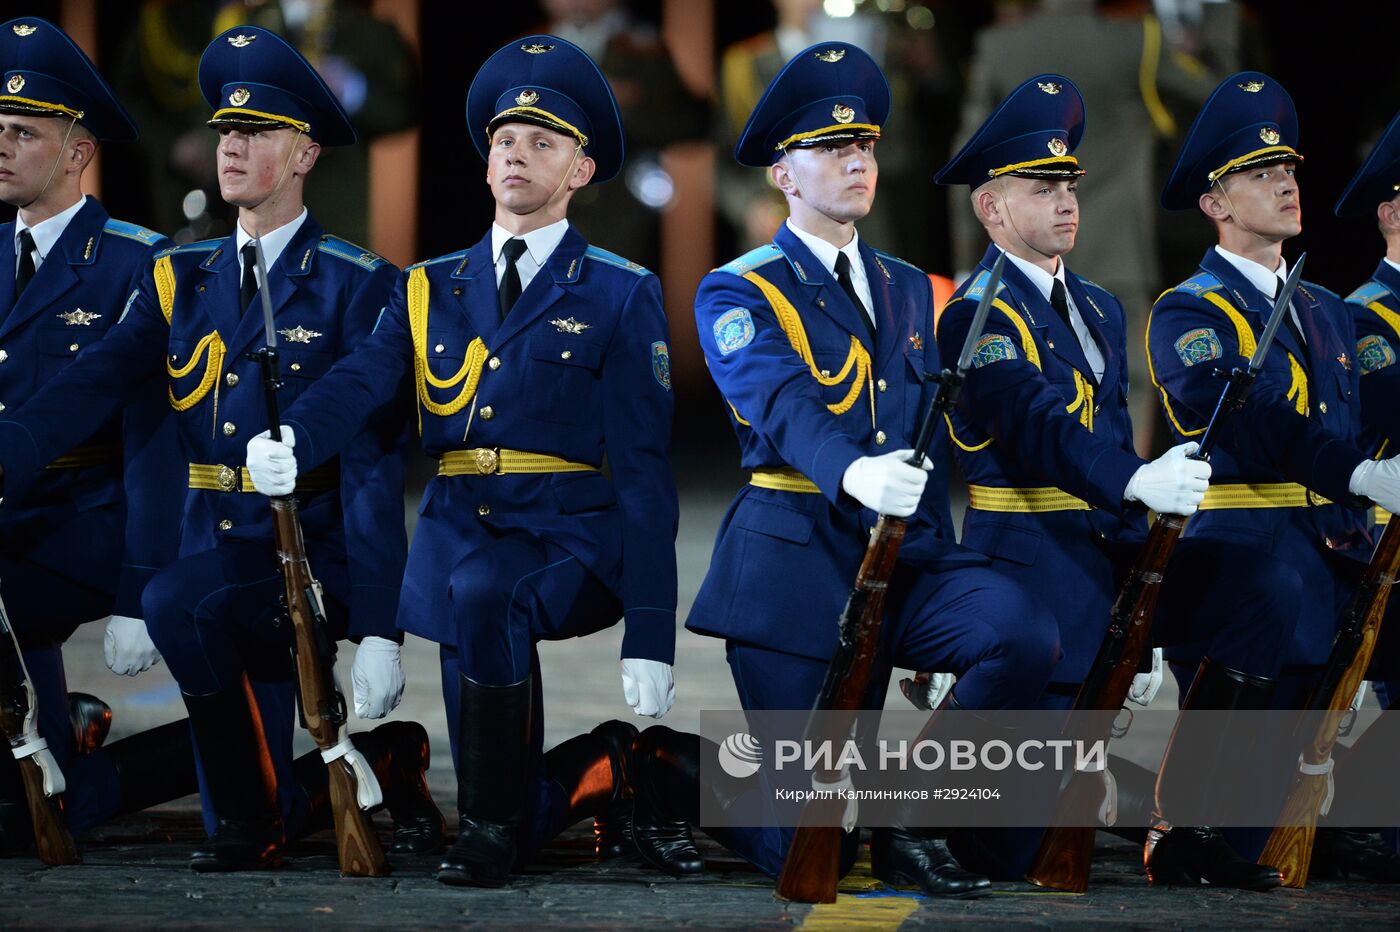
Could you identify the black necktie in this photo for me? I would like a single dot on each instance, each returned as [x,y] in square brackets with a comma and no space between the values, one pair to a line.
[249,288]
[1059,299]
[848,285]
[26,262]
[508,292]
[1288,316]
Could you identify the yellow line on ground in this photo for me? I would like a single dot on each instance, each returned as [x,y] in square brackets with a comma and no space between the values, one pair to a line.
[856,912]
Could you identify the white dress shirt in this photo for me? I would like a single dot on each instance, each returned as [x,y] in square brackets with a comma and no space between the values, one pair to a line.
[273,243]
[45,233]
[539,246]
[1265,280]
[1044,282]
[826,255]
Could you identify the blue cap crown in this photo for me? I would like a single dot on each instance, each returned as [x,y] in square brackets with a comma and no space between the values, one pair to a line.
[1032,134]
[252,77]
[46,74]
[1377,180]
[829,92]
[546,81]
[1248,120]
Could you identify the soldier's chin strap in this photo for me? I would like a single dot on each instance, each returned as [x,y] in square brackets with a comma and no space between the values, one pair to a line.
[1234,214]
[568,173]
[58,160]
[281,178]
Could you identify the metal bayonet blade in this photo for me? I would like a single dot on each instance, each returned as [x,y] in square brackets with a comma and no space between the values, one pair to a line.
[979,319]
[1285,295]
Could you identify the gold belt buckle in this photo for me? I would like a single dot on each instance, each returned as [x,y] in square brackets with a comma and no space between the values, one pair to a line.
[228,479]
[488,461]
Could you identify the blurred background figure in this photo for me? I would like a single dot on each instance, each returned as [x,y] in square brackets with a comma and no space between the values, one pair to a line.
[1139,90]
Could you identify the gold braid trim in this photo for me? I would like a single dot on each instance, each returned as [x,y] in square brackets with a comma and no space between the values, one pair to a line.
[210,351]
[858,358]
[471,363]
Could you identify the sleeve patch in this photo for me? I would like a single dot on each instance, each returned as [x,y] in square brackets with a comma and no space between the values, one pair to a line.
[993,347]
[1374,353]
[734,330]
[661,364]
[1198,346]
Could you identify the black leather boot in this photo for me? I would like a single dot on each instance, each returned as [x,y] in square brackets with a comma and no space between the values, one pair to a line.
[1198,762]
[594,772]
[398,753]
[92,721]
[1364,778]
[154,766]
[493,743]
[666,768]
[1339,853]
[239,778]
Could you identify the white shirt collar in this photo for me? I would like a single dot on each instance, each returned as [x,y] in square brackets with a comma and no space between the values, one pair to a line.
[539,244]
[273,243]
[826,253]
[1393,265]
[1266,280]
[1041,279]
[47,232]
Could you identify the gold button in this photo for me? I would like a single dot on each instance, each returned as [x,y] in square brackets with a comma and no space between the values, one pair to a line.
[439,348]
[72,347]
[230,428]
[882,385]
[487,413]
[296,367]
[483,510]
[821,302]
[880,438]
[225,524]
[567,354]
[4,355]
[231,379]
[494,363]
[826,373]
[1050,343]
[1322,406]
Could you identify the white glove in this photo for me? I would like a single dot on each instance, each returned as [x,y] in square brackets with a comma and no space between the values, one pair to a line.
[1378,480]
[127,646]
[1172,484]
[377,676]
[1145,685]
[925,691]
[887,484]
[647,686]
[273,465]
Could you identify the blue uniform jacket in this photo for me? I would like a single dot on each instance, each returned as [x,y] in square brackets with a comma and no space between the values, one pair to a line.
[72,517]
[1032,416]
[580,369]
[1376,308]
[1301,423]
[788,352]
[184,320]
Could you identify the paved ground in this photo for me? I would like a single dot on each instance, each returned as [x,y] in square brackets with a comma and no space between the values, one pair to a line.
[135,873]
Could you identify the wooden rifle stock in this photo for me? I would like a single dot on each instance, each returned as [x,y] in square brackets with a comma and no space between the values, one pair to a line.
[1290,844]
[51,836]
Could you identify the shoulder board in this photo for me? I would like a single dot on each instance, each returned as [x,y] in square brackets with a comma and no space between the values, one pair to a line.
[131,231]
[344,249]
[1371,291]
[978,285]
[910,265]
[1088,284]
[204,245]
[752,259]
[450,257]
[1199,284]
[613,259]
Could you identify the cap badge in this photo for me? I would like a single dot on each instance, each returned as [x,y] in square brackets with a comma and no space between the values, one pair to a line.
[1252,87]
[1057,147]
[24,29]
[526,98]
[15,84]
[239,97]
[241,41]
[1049,87]
[536,48]
[842,113]
[831,56]
[1269,135]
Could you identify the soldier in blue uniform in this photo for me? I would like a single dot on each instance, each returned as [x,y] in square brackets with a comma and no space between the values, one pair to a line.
[1293,474]
[214,612]
[820,345]
[1058,497]
[70,268]
[532,356]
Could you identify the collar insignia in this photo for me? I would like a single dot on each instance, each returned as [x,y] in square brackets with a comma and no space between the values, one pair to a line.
[569,325]
[299,334]
[78,317]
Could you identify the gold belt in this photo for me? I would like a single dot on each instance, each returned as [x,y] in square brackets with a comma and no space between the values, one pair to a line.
[987,498]
[1261,495]
[216,478]
[784,479]
[80,457]
[493,461]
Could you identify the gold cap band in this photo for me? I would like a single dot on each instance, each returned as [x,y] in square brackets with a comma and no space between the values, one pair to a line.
[239,115]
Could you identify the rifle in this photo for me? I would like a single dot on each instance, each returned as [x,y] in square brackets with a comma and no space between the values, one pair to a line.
[1290,844]
[43,780]
[809,873]
[1062,861]
[354,789]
